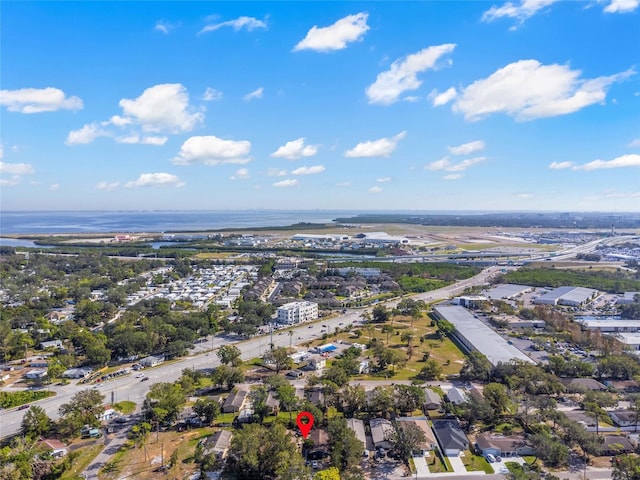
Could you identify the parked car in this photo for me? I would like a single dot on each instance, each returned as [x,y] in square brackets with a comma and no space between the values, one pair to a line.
[490,458]
[23,407]
[144,379]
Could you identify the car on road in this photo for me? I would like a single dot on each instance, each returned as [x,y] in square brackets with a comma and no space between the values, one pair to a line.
[23,407]
[144,379]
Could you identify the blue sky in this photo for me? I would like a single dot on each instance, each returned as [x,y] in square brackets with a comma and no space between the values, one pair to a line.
[522,105]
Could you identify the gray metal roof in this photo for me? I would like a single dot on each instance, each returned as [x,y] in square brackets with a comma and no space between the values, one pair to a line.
[507,290]
[573,294]
[483,338]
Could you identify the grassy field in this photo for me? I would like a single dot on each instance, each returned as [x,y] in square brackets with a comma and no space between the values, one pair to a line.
[82,461]
[444,351]
[125,407]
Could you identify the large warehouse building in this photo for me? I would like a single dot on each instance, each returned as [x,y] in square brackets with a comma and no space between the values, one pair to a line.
[507,291]
[475,335]
[570,296]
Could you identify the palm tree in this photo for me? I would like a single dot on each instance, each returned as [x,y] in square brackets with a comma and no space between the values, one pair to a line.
[388,329]
[290,338]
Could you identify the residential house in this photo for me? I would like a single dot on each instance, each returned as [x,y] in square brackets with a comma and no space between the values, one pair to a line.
[107,413]
[52,344]
[430,442]
[272,403]
[456,396]
[317,362]
[316,397]
[36,374]
[55,447]
[218,444]
[616,445]
[320,449]
[450,436]
[357,426]
[504,446]
[624,418]
[234,401]
[381,431]
[432,400]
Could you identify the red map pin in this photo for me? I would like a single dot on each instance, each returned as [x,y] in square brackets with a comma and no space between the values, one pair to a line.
[305,422]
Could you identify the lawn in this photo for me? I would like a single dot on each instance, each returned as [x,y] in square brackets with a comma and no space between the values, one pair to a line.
[125,407]
[475,463]
[436,464]
[82,461]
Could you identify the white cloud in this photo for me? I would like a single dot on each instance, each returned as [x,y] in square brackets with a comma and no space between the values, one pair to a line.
[383,180]
[54,187]
[10,182]
[211,94]
[440,164]
[624,161]
[453,176]
[257,93]
[522,11]
[165,27]
[16,168]
[248,23]
[286,183]
[212,150]
[163,108]
[276,172]
[467,148]
[335,37]
[119,121]
[463,165]
[622,6]
[295,149]
[634,143]
[86,134]
[376,148]
[560,165]
[402,76]
[438,99]
[36,100]
[146,140]
[308,170]
[375,189]
[343,184]
[527,90]
[525,195]
[107,186]
[240,174]
[445,164]
[155,180]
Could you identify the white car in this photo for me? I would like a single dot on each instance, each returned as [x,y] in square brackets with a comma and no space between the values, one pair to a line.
[490,458]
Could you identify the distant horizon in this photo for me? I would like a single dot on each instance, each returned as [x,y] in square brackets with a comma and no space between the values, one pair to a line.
[319,210]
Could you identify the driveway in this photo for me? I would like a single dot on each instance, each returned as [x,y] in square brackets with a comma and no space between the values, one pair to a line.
[422,470]
[457,465]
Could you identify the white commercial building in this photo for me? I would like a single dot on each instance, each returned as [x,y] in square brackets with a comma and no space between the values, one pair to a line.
[296,312]
[571,296]
[475,335]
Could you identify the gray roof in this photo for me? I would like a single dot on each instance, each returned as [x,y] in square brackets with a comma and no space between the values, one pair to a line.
[507,290]
[235,399]
[219,441]
[483,338]
[431,396]
[450,435]
[357,426]
[456,396]
[573,294]
[379,429]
